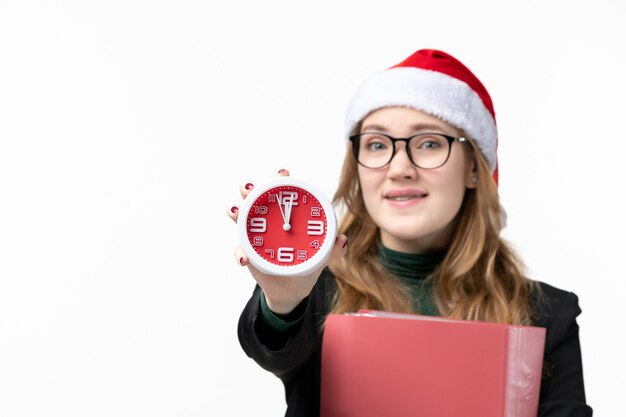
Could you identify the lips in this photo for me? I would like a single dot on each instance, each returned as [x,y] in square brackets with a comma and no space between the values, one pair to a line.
[405,195]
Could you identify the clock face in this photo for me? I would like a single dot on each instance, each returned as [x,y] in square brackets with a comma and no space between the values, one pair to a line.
[289,227]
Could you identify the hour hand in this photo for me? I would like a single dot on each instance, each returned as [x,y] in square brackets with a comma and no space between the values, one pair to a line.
[287,217]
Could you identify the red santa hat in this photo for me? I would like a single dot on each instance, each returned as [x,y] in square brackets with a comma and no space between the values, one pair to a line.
[438,84]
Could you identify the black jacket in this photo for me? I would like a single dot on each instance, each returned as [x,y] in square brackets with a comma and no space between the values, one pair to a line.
[295,356]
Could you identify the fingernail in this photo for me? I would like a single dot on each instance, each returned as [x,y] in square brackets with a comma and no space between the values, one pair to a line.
[241,261]
[234,209]
[249,185]
[280,171]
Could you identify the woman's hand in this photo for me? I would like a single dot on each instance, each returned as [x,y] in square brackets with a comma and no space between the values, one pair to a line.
[283,293]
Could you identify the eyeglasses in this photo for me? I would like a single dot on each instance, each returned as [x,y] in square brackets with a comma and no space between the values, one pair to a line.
[425,150]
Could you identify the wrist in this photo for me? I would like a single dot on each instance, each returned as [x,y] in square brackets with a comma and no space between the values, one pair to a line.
[283,307]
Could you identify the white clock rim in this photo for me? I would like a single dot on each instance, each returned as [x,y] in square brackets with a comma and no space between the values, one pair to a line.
[311,264]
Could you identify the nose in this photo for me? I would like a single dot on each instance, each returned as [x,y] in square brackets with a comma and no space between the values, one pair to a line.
[400,165]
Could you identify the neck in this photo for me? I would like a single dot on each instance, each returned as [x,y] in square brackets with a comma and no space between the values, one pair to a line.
[410,265]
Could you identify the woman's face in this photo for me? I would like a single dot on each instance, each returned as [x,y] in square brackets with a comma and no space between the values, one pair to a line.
[413,207]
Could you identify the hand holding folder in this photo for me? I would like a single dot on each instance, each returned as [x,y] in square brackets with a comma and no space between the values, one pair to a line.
[385,364]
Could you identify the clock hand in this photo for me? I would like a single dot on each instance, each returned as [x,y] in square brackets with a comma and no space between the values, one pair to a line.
[280,207]
[288,205]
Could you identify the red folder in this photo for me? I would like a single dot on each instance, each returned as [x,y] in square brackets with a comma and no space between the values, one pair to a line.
[380,364]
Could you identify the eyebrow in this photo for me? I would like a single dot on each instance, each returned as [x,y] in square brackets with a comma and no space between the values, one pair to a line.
[416,127]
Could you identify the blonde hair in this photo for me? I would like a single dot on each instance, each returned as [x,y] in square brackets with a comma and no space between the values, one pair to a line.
[480,278]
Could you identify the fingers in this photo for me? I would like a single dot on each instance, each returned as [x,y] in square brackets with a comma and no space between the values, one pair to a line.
[245,189]
[233,213]
[240,257]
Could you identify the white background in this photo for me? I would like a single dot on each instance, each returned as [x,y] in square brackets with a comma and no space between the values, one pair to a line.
[126,128]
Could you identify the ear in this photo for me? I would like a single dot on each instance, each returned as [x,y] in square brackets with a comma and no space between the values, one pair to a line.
[471,176]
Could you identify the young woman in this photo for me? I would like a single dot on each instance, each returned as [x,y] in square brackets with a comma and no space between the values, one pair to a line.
[422,215]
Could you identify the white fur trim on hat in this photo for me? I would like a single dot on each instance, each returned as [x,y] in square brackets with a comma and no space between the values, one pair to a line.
[435,93]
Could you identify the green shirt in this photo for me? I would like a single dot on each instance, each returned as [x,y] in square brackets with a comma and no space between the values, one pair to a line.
[413,269]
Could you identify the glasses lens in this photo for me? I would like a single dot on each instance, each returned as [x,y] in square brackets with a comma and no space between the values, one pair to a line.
[375,150]
[429,150]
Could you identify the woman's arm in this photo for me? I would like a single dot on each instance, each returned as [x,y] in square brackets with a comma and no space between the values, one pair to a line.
[283,350]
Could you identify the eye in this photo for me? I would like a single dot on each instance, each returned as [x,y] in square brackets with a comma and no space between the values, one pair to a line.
[429,143]
[374,143]
[375,146]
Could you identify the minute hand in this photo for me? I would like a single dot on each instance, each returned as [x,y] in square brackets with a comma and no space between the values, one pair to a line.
[278,199]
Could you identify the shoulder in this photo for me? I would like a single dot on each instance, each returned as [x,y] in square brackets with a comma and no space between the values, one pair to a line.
[549,302]
[556,310]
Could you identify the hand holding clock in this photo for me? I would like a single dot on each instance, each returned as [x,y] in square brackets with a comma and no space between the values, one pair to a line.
[288,235]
